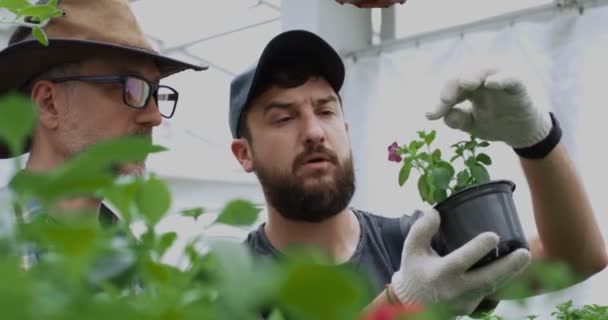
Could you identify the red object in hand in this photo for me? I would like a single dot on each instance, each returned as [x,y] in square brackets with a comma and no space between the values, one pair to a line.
[371,3]
[394,312]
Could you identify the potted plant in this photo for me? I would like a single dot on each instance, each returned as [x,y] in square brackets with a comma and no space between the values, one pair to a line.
[468,202]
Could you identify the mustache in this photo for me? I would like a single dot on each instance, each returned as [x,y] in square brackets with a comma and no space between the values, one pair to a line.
[299,160]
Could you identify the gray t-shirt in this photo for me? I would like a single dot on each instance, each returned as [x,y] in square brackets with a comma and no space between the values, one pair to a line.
[372,255]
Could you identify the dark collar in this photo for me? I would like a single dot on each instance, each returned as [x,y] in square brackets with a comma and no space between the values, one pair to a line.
[106,216]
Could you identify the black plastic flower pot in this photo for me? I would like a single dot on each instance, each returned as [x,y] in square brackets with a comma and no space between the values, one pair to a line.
[477,209]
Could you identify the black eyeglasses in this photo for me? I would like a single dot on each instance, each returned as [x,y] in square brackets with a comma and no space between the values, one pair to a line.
[136,92]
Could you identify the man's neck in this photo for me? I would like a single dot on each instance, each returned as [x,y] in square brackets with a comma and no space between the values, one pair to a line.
[338,235]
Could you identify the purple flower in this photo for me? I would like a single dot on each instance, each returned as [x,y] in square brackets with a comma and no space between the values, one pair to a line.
[392,152]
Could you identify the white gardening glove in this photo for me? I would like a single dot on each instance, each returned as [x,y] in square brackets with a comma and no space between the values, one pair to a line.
[426,277]
[501,108]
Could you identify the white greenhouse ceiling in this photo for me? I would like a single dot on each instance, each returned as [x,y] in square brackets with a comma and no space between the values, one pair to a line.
[229,35]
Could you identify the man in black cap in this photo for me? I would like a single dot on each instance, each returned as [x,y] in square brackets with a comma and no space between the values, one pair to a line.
[288,128]
[97,79]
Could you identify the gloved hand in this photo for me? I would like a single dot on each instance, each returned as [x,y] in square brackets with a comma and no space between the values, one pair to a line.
[501,108]
[426,277]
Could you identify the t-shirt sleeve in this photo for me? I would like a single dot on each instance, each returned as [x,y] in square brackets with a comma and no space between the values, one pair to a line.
[407,221]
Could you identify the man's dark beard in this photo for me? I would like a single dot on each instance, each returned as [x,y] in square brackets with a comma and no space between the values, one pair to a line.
[288,195]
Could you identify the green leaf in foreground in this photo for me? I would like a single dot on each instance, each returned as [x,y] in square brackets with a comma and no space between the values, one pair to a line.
[39,34]
[238,213]
[193,212]
[153,200]
[16,122]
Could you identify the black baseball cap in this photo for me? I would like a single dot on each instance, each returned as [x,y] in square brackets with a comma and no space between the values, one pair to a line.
[294,47]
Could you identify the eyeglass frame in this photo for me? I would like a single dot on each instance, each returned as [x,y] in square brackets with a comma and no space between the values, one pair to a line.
[122,79]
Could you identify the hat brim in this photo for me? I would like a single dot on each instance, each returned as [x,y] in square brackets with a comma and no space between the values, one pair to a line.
[298,47]
[22,61]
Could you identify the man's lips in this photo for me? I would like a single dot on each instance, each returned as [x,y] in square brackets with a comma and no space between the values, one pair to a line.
[316,158]
[316,161]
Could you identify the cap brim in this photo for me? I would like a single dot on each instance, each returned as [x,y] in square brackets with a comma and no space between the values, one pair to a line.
[22,61]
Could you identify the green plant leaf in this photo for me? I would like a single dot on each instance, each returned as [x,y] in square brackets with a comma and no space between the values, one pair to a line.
[470,145]
[459,151]
[424,190]
[14,6]
[122,196]
[153,200]
[480,173]
[40,36]
[429,138]
[441,177]
[116,264]
[412,148]
[238,212]
[483,144]
[404,173]
[166,241]
[309,279]
[484,158]
[193,212]
[514,289]
[157,272]
[87,174]
[458,188]
[440,195]
[72,240]
[457,144]
[52,186]
[462,179]
[424,156]
[41,12]
[446,165]
[17,121]
[109,153]
[419,144]
[421,134]
[276,315]
[436,155]
[454,158]
[552,276]
[470,162]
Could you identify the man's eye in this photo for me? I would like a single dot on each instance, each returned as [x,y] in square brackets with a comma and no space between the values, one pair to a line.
[283,119]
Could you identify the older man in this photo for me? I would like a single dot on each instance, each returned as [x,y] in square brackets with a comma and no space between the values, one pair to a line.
[97,79]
